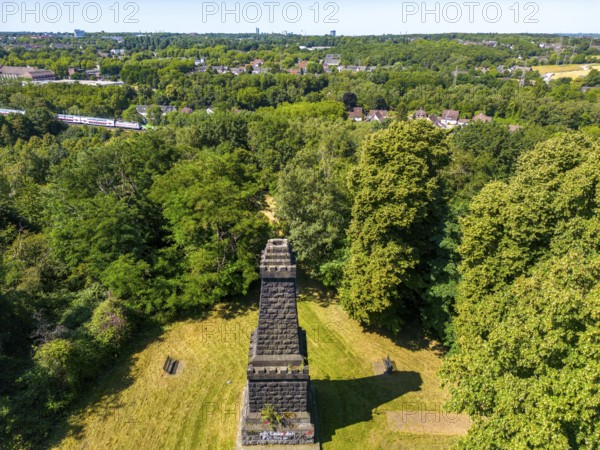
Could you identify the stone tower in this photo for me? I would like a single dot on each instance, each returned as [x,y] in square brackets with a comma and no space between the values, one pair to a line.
[277,368]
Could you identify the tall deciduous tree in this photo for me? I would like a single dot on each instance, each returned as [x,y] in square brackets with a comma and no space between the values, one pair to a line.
[212,205]
[314,203]
[395,184]
[527,360]
[350,100]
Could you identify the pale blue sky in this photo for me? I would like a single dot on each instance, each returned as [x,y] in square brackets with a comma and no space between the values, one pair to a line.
[348,17]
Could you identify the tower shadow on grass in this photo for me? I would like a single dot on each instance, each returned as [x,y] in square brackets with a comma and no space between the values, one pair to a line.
[341,403]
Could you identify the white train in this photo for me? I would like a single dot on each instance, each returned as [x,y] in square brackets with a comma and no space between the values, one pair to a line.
[98,121]
[123,124]
[6,112]
[82,120]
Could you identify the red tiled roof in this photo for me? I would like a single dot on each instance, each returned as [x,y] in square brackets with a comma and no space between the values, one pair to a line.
[356,113]
[482,118]
[450,114]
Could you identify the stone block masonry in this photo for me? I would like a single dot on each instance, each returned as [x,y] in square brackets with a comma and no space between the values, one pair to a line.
[277,372]
[284,395]
[277,332]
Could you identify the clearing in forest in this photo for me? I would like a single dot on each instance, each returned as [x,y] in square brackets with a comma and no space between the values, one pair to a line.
[136,405]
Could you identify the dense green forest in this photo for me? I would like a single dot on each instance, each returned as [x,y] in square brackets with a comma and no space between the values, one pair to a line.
[486,235]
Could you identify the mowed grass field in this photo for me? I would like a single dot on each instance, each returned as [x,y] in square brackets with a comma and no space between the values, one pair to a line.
[135,405]
[567,70]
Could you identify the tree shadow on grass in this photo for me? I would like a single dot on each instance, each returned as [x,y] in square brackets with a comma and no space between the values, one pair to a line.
[412,337]
[240,305]
[101,394]
[313,290]
[341,403]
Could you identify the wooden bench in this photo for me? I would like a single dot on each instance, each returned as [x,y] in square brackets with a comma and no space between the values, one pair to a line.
[170,365]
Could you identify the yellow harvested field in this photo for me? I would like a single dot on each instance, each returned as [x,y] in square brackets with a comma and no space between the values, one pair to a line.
[572,74]
[567,70]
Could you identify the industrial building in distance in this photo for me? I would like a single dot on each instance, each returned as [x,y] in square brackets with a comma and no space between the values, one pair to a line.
[31,73]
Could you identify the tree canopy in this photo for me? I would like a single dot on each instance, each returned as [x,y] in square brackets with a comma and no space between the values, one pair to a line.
[394,184]
[526,365]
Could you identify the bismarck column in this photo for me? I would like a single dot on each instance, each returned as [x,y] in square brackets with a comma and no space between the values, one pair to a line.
[277,369]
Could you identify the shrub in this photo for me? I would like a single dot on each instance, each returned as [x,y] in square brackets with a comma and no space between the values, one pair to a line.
[57,360]
[269,414]
[109,325]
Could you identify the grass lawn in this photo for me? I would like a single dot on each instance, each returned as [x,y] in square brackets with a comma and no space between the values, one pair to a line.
[136,405]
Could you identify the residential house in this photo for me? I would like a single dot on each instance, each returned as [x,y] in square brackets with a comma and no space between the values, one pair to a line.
[238,70]
[300,68]
[435,120]
[352,68]
[302,65]
[450,117]
[88,74]
[24,46]
[356,114]
[93,73]
[333,60]
[142,110]
[73,70]
[556,46]
[377,115]
[219,69]
[420,114]
[257,66]
[482,118]
[523,69]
